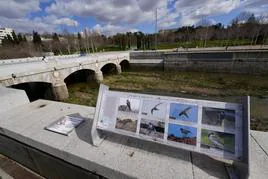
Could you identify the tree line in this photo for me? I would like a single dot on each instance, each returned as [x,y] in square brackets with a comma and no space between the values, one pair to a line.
[246,29]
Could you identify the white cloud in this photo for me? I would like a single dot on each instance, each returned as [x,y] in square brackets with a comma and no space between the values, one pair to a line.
[111,29]
[255,6]
[191,12]
[66,21]
[40,24]
[107,11]
[18,8]
[26,25]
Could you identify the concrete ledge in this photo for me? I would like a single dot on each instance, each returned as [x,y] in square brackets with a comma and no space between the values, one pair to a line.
[116,157]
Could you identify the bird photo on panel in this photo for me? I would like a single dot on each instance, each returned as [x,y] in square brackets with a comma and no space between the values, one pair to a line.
[128,113]
[183,112]
[218,141]
[182,134]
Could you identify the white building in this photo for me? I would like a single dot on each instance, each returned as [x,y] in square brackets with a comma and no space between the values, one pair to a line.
[4,32]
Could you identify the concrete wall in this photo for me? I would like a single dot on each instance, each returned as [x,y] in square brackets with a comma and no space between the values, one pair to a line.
[244,62]
[153,60]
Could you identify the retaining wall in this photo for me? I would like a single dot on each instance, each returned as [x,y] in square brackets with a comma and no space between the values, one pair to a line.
[243,62]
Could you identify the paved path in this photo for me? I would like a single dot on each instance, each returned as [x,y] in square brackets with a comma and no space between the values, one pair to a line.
[116,157]
[10,169]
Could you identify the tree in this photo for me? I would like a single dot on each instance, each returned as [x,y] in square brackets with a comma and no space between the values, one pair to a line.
[20,38]
[252,19]
[55,37]
[24,38]
[15,38]
[70,41]
[7,40]
[36,38]
[56,45]
[79,41]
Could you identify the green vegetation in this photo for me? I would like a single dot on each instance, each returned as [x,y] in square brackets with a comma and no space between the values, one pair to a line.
[200,43]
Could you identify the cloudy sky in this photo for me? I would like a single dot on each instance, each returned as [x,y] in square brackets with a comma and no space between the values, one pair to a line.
[112,16]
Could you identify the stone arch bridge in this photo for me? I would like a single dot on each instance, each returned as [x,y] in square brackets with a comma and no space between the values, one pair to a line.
[56,69]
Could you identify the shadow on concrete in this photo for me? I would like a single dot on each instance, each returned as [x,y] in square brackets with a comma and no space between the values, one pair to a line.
[83,130]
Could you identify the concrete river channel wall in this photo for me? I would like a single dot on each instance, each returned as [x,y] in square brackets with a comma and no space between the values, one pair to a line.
[242,62]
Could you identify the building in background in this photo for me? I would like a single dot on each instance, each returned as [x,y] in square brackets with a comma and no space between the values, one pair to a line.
[4,32]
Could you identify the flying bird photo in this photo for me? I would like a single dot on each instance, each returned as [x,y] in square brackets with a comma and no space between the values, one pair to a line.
[183,112]
[154,109]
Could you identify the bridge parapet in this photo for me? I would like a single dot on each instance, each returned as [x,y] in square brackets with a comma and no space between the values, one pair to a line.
[54,69]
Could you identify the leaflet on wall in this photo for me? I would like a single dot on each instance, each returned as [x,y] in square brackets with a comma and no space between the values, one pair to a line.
[209,127]
[65,125]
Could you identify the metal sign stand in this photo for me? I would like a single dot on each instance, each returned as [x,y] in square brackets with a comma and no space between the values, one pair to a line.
[96,135]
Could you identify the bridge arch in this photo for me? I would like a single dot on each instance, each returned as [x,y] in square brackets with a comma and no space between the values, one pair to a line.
[36,90]
[81,75]
[64,73]
[124,64]
[109,68]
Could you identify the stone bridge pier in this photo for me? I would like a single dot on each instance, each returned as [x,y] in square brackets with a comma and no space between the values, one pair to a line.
[60,91]
[98,76]
[118,69]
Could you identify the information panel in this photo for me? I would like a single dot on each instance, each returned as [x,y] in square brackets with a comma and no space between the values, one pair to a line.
[209,127]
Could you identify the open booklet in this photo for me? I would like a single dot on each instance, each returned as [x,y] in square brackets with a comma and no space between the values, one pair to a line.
[209,127]
[66,124]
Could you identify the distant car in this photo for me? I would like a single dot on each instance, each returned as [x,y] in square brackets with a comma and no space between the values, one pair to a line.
[83,54]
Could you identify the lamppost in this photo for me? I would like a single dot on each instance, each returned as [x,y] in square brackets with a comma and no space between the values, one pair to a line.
[156,29]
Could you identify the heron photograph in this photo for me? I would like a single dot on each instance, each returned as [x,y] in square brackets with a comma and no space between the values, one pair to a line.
[127,115]
[152,128]
[183,112]
[182,134]
[224,118]
[218,141]
[154,109]
[129,105]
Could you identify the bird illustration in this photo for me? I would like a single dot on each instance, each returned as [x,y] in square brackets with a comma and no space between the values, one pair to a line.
[155,108]
[13,75]
[184,112]
[221,115]
[215,140]
[128,105]
[150,129]
[185,131]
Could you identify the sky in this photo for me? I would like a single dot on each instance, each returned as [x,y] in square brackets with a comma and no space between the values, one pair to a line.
[109,17]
